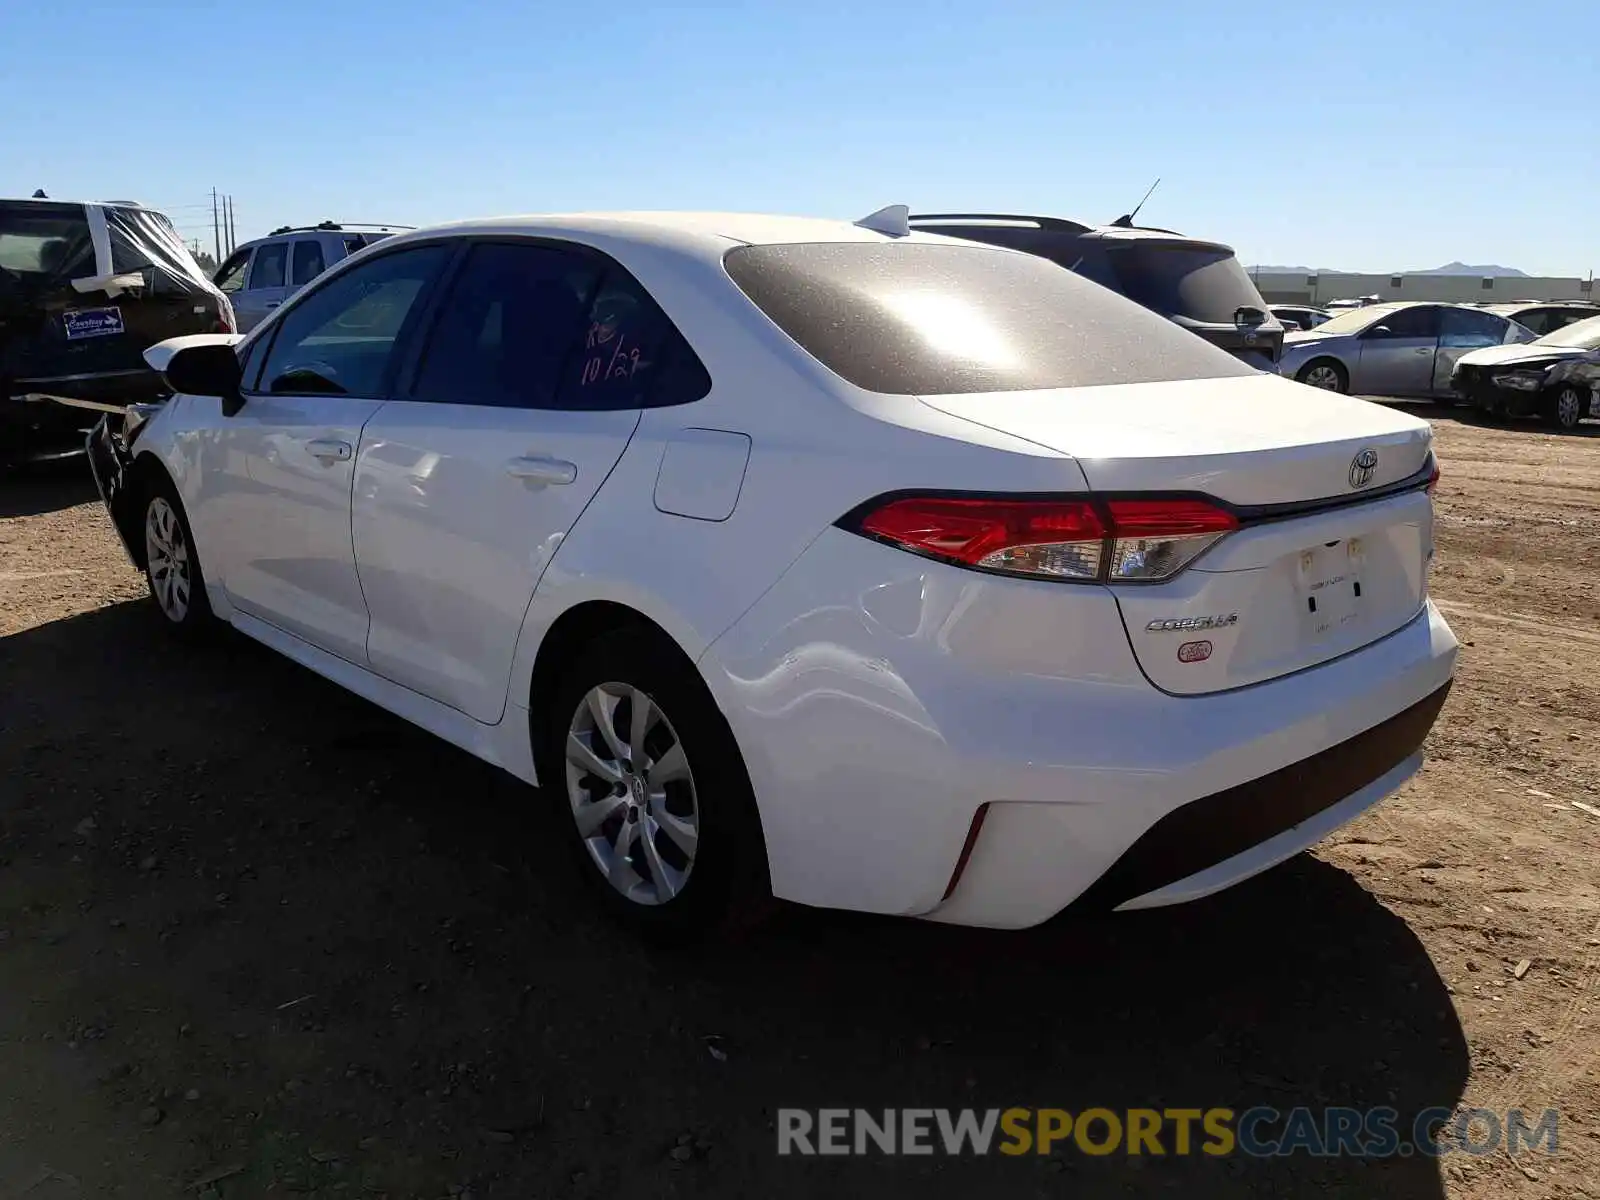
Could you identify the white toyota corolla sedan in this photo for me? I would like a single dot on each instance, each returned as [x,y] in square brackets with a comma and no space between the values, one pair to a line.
[857,567]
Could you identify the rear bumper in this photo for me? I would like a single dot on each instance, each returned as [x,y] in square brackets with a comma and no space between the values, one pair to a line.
[131,386]
[881,701]
[46,417]
[1246,826]
[1033,860]
[32,429]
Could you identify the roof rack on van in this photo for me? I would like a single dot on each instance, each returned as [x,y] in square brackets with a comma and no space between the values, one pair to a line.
[334,227]
[1061,223]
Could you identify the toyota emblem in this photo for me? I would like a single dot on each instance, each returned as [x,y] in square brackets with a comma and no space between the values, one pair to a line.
[1362,467]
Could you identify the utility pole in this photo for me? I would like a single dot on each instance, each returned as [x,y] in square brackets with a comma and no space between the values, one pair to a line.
[233,233]
[216,229]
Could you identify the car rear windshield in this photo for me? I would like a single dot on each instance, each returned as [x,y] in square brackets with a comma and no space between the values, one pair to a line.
[1580,335]
[1199,283]
[920,318]
[43,245]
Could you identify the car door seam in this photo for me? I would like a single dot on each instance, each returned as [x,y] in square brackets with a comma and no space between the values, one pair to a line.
[572,528]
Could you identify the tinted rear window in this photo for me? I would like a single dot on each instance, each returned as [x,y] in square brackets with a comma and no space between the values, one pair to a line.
[1200,283]
[911,318]
[44,243]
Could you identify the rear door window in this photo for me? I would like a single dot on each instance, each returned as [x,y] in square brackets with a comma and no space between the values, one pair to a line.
[909,318]
[631,355]
[308,262]
[541,326]
[268,270]
[1469,329]
[1560,318]
[507,327]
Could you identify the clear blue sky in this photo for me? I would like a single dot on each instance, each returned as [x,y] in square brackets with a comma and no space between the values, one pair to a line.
[1360,134]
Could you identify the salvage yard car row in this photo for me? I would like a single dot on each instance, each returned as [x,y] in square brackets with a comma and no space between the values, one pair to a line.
[1453,351]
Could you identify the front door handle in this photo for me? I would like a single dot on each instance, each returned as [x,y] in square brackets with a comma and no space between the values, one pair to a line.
[274,303]
[534,469]
[329,450]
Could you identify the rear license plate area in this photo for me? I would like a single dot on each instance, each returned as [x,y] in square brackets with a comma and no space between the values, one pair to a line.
[1328,583]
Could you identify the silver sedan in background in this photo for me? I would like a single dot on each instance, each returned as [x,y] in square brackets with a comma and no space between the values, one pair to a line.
[1403,349]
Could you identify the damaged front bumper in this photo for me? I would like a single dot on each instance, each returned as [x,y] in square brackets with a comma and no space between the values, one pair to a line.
[1518,389]
[111,464]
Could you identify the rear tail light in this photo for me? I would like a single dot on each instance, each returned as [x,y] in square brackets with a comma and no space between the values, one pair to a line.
[1088,539]
[1155,539]
[1433,477]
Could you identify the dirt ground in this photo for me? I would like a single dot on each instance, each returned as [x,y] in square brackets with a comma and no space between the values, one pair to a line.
[258,938]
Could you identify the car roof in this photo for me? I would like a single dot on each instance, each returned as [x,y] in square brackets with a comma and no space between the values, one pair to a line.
[51,200]
[704,233]
[1524,305]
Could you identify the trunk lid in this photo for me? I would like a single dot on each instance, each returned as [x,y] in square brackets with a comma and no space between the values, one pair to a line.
[1314,572]
[1249,440]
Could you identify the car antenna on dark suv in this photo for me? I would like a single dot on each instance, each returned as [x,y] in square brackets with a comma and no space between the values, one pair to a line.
[1125,221]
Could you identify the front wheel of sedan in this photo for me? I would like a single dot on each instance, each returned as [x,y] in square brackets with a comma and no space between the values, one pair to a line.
[172,568]
[654,790]
[1326,374]
[1564,407]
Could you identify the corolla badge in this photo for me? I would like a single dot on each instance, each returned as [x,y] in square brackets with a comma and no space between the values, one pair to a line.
[1186,624]
[1362,467]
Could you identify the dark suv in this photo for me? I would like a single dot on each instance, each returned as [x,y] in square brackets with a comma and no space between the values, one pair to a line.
[1199,285]
[85,289]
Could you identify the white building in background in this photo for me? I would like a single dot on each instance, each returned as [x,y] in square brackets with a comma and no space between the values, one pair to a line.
[1295,287]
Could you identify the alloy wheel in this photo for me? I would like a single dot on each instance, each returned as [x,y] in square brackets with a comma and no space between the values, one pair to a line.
[1569,407]
[632,793]
[1324,377]
[167,554]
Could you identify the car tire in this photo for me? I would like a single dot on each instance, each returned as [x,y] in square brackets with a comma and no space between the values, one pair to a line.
[172,566]
[672,845]
[1564,406]
[1326,374]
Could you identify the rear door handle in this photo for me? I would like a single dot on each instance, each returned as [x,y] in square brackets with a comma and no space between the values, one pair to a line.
[274,303]
[329,450]
[534,469]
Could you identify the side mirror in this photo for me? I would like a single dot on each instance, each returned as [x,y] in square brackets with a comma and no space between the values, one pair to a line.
[207,371]
[1382,331]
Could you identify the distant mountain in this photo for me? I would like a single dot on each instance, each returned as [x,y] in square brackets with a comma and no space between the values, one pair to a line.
[1455,268]
[1461,268]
